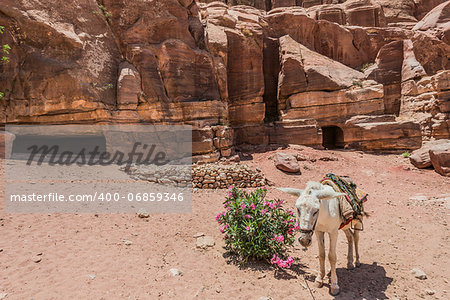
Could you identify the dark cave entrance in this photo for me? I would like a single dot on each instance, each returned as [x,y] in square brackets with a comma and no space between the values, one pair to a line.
[333,137]
[271,67]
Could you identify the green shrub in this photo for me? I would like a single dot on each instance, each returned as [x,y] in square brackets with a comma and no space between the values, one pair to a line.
[105,12]
[406,154]
[3,58]
[247,32]
[357,83]
[255,228]
[4,48]
[364,67]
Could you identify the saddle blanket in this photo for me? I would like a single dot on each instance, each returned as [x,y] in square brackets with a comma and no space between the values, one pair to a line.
[351,205]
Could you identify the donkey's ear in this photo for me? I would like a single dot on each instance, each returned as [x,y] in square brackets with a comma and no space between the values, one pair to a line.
[291,191]
[326,194]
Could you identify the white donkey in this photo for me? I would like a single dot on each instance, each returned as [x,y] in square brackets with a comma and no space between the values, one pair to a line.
[318,211]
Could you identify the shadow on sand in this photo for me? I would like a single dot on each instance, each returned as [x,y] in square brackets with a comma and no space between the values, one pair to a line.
[366,282]
[297,269]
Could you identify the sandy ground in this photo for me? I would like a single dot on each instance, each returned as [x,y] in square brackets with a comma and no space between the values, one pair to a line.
[84,256]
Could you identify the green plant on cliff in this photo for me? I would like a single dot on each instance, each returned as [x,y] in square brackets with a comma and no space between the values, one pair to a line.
[364,67]
[357,83]
[4,52]
[247,32]
[4,48]
[105,12]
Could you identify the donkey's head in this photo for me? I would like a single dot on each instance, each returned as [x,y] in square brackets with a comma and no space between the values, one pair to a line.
[308,205]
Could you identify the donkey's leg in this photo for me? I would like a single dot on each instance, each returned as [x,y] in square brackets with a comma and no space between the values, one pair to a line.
[356,240]
[349,235]
[321,241]
[334,287]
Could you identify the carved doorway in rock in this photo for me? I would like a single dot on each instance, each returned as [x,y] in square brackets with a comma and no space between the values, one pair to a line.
[332,137]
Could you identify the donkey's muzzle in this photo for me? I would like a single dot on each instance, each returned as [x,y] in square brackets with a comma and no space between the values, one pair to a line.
[305,241]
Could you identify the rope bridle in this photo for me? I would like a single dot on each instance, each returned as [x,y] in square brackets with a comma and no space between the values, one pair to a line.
[308,231]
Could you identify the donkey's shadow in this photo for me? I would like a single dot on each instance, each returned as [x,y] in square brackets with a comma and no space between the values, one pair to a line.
[366,282]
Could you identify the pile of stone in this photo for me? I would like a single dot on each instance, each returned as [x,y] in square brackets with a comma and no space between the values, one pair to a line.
[172,175]
[205,176]
[210,176]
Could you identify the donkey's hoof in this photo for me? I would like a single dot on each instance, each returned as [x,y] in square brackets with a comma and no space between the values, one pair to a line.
[358,264]
[350,266]
[334,290]
[318,283]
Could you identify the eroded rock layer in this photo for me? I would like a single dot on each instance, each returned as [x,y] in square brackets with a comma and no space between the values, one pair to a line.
[359,73]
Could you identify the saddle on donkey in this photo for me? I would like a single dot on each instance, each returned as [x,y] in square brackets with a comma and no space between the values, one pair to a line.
[352,205]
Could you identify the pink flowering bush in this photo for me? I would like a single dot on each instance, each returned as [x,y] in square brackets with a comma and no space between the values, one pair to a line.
[256,228]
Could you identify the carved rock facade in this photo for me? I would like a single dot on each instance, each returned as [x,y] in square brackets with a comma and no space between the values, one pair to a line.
[309,72]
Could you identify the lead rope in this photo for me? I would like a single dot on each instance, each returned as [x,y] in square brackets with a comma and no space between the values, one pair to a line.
[307,285]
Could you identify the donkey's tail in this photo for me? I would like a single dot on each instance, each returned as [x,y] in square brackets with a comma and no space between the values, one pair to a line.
[291,191]
[365,214]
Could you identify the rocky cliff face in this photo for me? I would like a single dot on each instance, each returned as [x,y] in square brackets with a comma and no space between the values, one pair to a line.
[240,71]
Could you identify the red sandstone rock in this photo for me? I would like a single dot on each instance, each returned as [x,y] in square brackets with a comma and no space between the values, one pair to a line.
[437,21]
[364,13]
[255,3]
[388,64]
[217,44]
[440,158]
[56,58]
[311,3]
[305,70]
[330,13]
[330,113]
[173,63]
[282,3]
[411,68]
[425,101]
[425,6]
[134,23]
[286,162]
[244,66]
[6,144]
[299,132]
[162,41]
[314,86]
[187,74]
[355,12]
[326,38]
[255,134]
[398,11]
[128,87]
[421,157]
[379,135]
[223,139]
[202,141]
[388,71]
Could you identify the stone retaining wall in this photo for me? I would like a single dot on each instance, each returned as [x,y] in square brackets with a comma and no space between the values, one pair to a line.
[209,176]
